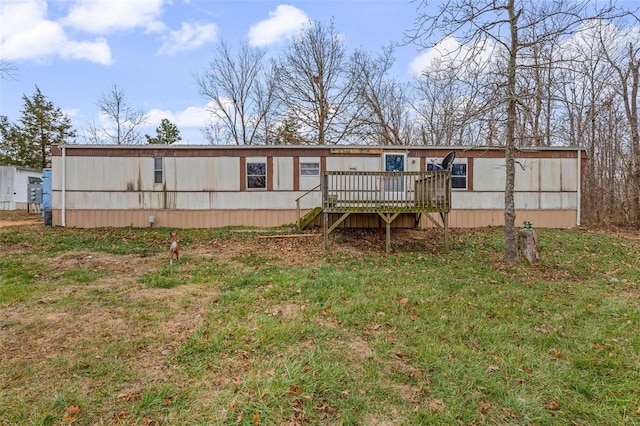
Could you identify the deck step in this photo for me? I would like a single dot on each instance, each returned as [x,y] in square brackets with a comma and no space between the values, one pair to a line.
[309,217]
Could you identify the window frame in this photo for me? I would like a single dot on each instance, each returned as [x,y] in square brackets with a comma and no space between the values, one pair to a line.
[457,162]
[315,169]
[250,177]
[158,171]
[459,176]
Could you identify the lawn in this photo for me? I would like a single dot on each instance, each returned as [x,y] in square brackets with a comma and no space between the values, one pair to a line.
[252,327]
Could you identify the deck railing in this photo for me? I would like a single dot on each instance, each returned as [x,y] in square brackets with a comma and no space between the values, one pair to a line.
[352,191]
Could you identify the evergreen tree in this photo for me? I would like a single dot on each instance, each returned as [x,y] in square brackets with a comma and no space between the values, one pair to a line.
[8,146]
[287,132]
[42,125]
[166,133]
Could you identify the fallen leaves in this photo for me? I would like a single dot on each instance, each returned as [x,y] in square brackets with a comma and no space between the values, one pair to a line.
[129,396]
[295,390]
[544,330]
[555,353]
[484,408]
[435,405]
[492,368]
[71,413]
[121,417]
[553,405]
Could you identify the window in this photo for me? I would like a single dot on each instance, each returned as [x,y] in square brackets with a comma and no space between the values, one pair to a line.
[256,175]
[309,169]
[394,162]
[458,174]
[157,170]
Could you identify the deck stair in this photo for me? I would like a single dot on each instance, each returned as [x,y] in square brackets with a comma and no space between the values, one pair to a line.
[308,218]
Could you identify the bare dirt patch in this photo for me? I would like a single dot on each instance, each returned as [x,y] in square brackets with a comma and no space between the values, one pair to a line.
[132,265]
[6,223]
[74,323]
[19,217]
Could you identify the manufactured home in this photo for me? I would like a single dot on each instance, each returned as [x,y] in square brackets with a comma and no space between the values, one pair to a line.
[204,186]
[20,188]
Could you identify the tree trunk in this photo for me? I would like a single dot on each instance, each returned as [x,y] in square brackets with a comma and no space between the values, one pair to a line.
[510,239]
[634,68]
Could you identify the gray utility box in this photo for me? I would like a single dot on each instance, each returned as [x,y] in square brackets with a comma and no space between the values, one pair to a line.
[34,193]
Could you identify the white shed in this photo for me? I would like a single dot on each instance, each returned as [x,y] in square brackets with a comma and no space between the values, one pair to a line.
[14,181]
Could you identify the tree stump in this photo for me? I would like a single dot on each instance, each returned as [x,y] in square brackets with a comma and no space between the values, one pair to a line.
[528,245]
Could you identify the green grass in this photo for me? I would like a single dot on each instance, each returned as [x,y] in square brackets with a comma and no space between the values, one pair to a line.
[352,336]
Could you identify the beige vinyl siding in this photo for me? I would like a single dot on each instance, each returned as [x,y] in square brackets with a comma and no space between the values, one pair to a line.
[203,186]
[482,218]
[309,182]
[176,218]
[205,200]
[354,163]
[532,174]
[283,174]
[203,174]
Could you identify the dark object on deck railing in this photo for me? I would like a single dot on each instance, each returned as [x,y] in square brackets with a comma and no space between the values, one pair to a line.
[447,162]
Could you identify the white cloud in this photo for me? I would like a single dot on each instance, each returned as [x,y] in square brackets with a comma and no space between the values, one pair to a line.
[282,23]
[192,116]
[434,55]
[104,16]
[190,122]
[30,35]
[71,112]
[97,51]
[189,37]
[450,51]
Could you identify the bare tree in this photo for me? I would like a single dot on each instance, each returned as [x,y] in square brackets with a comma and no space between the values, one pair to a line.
[118,123]
[623,55]
[7,70]
[451,102]
[242,96]
[314,85]
[383,101]
[589,117]
[503,22]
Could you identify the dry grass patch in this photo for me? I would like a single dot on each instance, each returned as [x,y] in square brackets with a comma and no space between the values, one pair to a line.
[112,333]
[97,328]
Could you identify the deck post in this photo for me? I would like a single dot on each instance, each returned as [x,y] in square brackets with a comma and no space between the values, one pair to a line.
[446,231]
[388,237]
[325,229]
[388,218]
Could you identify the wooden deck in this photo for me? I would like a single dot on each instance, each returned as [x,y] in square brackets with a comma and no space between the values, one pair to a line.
[387,194]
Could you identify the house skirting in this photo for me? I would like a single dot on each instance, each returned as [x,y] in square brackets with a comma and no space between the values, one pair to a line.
[270,218]
[14,205]
[481,218]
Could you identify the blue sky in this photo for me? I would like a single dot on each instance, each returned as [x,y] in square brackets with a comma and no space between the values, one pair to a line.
[76,50]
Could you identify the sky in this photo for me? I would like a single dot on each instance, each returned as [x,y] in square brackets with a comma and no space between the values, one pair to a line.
[75,51]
